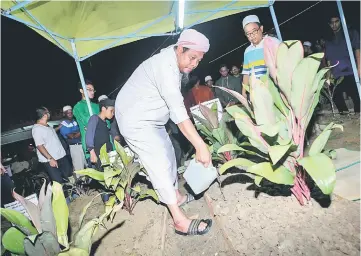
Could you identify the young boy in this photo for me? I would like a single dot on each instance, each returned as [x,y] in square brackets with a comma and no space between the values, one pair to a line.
[98,132]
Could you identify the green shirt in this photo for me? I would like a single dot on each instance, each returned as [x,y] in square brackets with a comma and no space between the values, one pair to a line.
[82,116]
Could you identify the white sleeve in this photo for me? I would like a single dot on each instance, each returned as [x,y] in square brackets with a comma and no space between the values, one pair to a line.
[168,83]
[37,136]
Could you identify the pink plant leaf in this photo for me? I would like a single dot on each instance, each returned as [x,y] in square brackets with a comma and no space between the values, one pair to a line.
[42,195]
[210,115]
[32,210]
[270,48]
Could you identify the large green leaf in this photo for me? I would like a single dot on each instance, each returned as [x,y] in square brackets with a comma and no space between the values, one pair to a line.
[109,173]
[220,135]
[211,116]
[61,214]
[45,244]
[46,213]
[302,85]
[13,241]
[321,170]
[129,172]
[235,162]
[123,155]
[276,96]
[94,174]
[320,142]
[104,157]
[234,147]
[120,193]
[289,54]
[262,103]
[19,220]
[83,239]
[280,175]
[110,204]
[276,152]
[149,193]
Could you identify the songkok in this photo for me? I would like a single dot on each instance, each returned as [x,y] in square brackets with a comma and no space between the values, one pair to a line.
[66,108]
[192,39]
[102,97]
[250,19]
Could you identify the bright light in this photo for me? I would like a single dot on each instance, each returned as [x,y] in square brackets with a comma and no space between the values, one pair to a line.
[180,13]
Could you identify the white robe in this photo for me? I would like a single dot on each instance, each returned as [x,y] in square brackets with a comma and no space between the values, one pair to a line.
[143,106]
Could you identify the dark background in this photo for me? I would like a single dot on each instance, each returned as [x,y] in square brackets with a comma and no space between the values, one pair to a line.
[35,72]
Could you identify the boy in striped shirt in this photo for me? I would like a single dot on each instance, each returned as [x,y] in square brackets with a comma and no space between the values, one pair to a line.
[253,55]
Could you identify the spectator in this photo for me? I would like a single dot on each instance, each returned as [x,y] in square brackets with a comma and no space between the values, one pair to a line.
[336,51]
[200,93]
[236,73]
[307,47]
[7,187]
[49,149]
[229,82]
[102,97]
[81,111]
[71,133]
[98,132]
[253,55]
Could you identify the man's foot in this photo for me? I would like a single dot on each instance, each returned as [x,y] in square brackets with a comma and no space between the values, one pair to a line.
[193,227]
[182,200]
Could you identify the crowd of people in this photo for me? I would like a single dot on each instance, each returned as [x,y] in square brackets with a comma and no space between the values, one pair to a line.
[150,107]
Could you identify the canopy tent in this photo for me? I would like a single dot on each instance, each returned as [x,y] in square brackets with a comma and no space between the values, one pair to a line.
[85,28]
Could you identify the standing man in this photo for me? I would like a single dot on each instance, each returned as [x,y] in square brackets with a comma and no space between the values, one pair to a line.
[200,93]
[155,90]
[49,149]
[229,82]
[81,111]
[71,133]
[307,48]
[336,51]
[253,55]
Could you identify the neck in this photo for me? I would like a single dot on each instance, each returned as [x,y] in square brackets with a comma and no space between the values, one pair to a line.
[42,122]
[236,75]
[102,116]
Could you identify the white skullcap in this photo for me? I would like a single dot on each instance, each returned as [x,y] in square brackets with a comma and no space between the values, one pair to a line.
[192,39]
[66,108]
[250,19]
[102,97]
[208,78]
[307,43]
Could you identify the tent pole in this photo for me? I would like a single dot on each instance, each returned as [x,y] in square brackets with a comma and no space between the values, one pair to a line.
[275,22]
[349,47]
[80,71]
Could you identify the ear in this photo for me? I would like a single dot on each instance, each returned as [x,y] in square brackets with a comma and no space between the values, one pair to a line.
[179,49]
[261,28]
[81,91]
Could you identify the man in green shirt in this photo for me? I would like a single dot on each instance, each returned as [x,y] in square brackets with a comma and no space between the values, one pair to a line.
[81,112]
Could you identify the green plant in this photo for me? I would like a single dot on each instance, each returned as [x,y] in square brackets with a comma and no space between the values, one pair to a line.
[275,121]
[47,230]
[330,86]
[223,144]
[119,171]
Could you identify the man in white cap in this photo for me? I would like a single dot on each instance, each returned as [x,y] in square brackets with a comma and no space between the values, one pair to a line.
[71,132]
[307,48]
[253,55]
[155,89]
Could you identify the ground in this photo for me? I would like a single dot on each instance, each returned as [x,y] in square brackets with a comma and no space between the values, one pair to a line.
[244,222]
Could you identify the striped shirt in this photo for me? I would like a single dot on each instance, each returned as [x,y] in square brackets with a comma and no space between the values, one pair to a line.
[254,58]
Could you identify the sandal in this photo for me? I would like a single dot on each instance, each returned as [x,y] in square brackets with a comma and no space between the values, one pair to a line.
[193,228]
[189,199]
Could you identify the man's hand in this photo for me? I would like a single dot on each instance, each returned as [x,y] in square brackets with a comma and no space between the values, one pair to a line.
[53,163]
[203,155]
[93,157]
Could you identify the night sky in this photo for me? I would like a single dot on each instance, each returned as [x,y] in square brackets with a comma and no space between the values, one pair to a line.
[35,72]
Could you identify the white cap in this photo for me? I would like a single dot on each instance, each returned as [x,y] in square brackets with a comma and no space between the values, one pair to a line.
[250,19]
[207,78]
[66,108]
[307,43]
[102,97]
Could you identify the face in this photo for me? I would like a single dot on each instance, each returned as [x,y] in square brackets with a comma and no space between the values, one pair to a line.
[335,24]
[235,71]
[224,71]
[253,33]
[307,49]
[69,114]
[109,113]
[188,60]
[209,83]
[90,91]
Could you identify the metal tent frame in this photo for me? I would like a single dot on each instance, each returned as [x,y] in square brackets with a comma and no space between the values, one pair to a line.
[175,11]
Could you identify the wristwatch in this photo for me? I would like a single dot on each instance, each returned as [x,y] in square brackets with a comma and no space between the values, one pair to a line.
[50,158]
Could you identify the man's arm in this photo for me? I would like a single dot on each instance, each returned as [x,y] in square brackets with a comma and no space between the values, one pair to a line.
[245,83]
[89,137]
[45,153]
[357,55]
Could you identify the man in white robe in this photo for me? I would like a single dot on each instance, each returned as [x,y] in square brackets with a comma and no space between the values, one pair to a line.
[144,105]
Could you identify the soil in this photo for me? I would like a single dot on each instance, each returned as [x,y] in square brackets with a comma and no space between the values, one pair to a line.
[245,221]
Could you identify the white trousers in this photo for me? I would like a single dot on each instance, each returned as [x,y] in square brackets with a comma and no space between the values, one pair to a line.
[78,157]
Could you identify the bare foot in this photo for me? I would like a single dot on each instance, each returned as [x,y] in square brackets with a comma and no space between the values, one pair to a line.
[183,225]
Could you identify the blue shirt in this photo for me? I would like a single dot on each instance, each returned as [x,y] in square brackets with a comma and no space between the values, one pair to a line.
[70,127]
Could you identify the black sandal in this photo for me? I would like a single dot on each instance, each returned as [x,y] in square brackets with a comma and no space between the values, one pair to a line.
[193,228]
[189,199]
